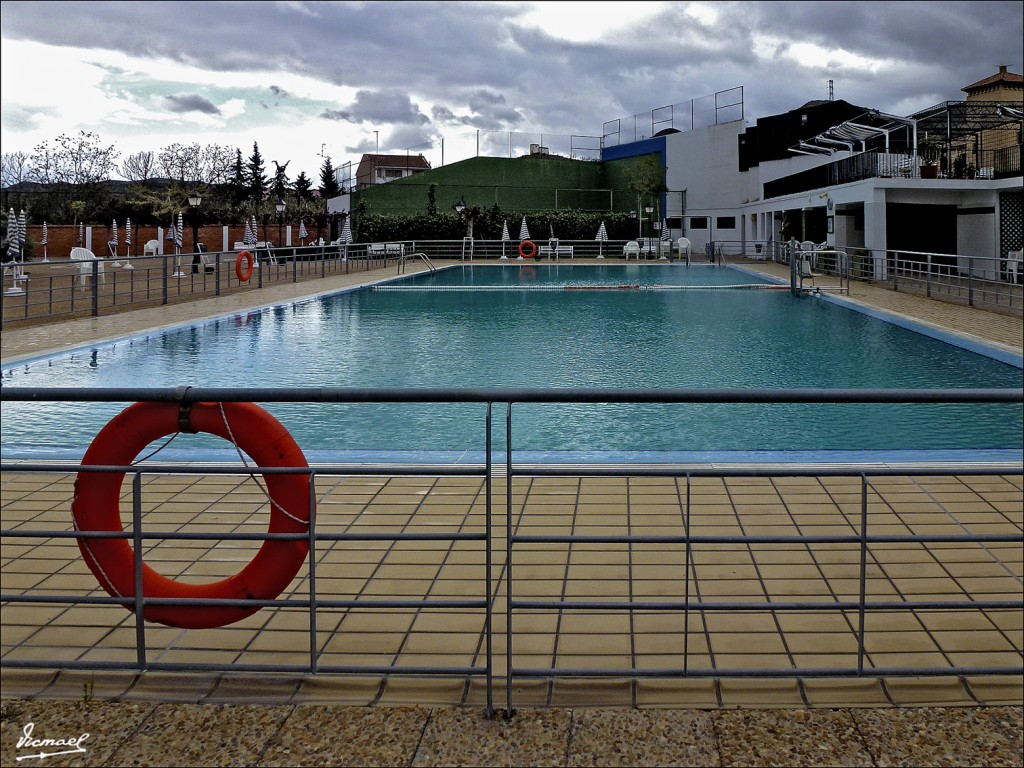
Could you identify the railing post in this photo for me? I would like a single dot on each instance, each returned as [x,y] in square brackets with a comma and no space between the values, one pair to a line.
[216,276]
[928,279]
[140,622]
[163,282]
[488,563]
[862,593]
[95,288]
[970,282]
[508,562]
[311,516]
[686,580]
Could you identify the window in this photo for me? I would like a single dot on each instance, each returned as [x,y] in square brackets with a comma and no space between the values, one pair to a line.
[698,222]
[725,222]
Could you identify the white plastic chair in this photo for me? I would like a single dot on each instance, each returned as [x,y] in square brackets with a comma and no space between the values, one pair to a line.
[151,248]
[806,273]
[632,248]
[86,257]
[808,249]
[988,172]
[1015,265]
[684,247]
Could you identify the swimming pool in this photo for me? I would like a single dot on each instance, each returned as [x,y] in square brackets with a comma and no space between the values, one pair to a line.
[648,325]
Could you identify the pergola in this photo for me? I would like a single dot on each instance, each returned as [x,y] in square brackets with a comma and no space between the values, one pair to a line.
[951,123]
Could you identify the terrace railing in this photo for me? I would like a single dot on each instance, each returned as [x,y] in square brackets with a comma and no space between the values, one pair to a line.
[990,164]
[856,541]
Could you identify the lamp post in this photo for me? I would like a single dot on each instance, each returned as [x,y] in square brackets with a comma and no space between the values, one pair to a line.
[280,221]
[194,201]
[649,209]
[464,212]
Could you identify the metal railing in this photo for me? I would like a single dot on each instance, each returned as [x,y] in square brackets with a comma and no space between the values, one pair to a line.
[58,290]
[976,281]
[992,164]
[500,543]
[61,290]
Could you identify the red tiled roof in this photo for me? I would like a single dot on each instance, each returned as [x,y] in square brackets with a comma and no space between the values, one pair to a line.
[1002,76]
[395,161]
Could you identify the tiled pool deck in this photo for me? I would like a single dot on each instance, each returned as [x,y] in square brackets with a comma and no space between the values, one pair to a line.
[164,718]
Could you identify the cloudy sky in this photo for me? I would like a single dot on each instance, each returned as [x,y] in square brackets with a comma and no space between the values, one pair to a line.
[305,79]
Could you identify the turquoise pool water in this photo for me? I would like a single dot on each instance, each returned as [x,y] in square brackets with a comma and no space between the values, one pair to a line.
[424,335]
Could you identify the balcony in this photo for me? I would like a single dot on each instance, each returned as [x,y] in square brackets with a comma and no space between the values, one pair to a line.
[987,164]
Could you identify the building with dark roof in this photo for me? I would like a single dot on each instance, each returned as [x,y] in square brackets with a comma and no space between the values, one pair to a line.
[380,169]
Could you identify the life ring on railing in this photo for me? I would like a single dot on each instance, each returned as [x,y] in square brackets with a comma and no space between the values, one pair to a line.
[244,273]
[523,249]
[96,507]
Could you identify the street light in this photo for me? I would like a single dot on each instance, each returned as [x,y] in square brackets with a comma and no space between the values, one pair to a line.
[649,209]
[464,212]
[280,221]
[194,201]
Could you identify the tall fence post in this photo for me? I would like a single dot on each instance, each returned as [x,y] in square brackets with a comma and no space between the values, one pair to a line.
[163,298]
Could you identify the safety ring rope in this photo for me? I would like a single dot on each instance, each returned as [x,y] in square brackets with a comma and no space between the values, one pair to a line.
[252,430]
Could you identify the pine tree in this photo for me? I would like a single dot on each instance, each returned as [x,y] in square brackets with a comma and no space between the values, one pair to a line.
[256,176]
[303,184]
[328,183]
[238,184]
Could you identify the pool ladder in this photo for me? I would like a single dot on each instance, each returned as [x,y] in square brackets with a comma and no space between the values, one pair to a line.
[421,256]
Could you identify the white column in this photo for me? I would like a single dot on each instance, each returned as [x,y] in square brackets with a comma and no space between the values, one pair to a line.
[875,235]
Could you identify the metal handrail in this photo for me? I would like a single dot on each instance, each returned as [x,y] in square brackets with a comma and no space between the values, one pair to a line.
[418,255]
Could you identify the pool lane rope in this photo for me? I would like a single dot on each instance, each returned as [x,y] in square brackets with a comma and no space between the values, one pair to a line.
[96,507]
[569,287]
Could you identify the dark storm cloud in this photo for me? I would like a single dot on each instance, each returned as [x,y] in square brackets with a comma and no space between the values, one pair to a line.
[191,103]
[475,62]
[379,107]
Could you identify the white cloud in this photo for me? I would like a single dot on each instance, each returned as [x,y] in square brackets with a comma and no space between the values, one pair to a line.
[588,22]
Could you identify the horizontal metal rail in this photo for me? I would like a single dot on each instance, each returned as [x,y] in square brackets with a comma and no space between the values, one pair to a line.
[509,395]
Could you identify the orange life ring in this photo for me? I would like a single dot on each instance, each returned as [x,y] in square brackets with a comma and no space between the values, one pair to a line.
[96,507]
[532,249]
[243,274]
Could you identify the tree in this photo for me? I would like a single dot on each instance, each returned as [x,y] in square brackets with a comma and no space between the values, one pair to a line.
[15,168]
[256,175]
[328,181]
[432,200]
[238,183]
[280,187]
[138,166]
[78,163]
[647,179]
[303,186]
[181,162]
[215,163]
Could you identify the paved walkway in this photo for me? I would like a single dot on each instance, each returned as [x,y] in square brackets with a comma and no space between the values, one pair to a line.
[221,719]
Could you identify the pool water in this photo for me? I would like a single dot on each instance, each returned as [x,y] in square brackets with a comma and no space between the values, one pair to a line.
[432,337]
